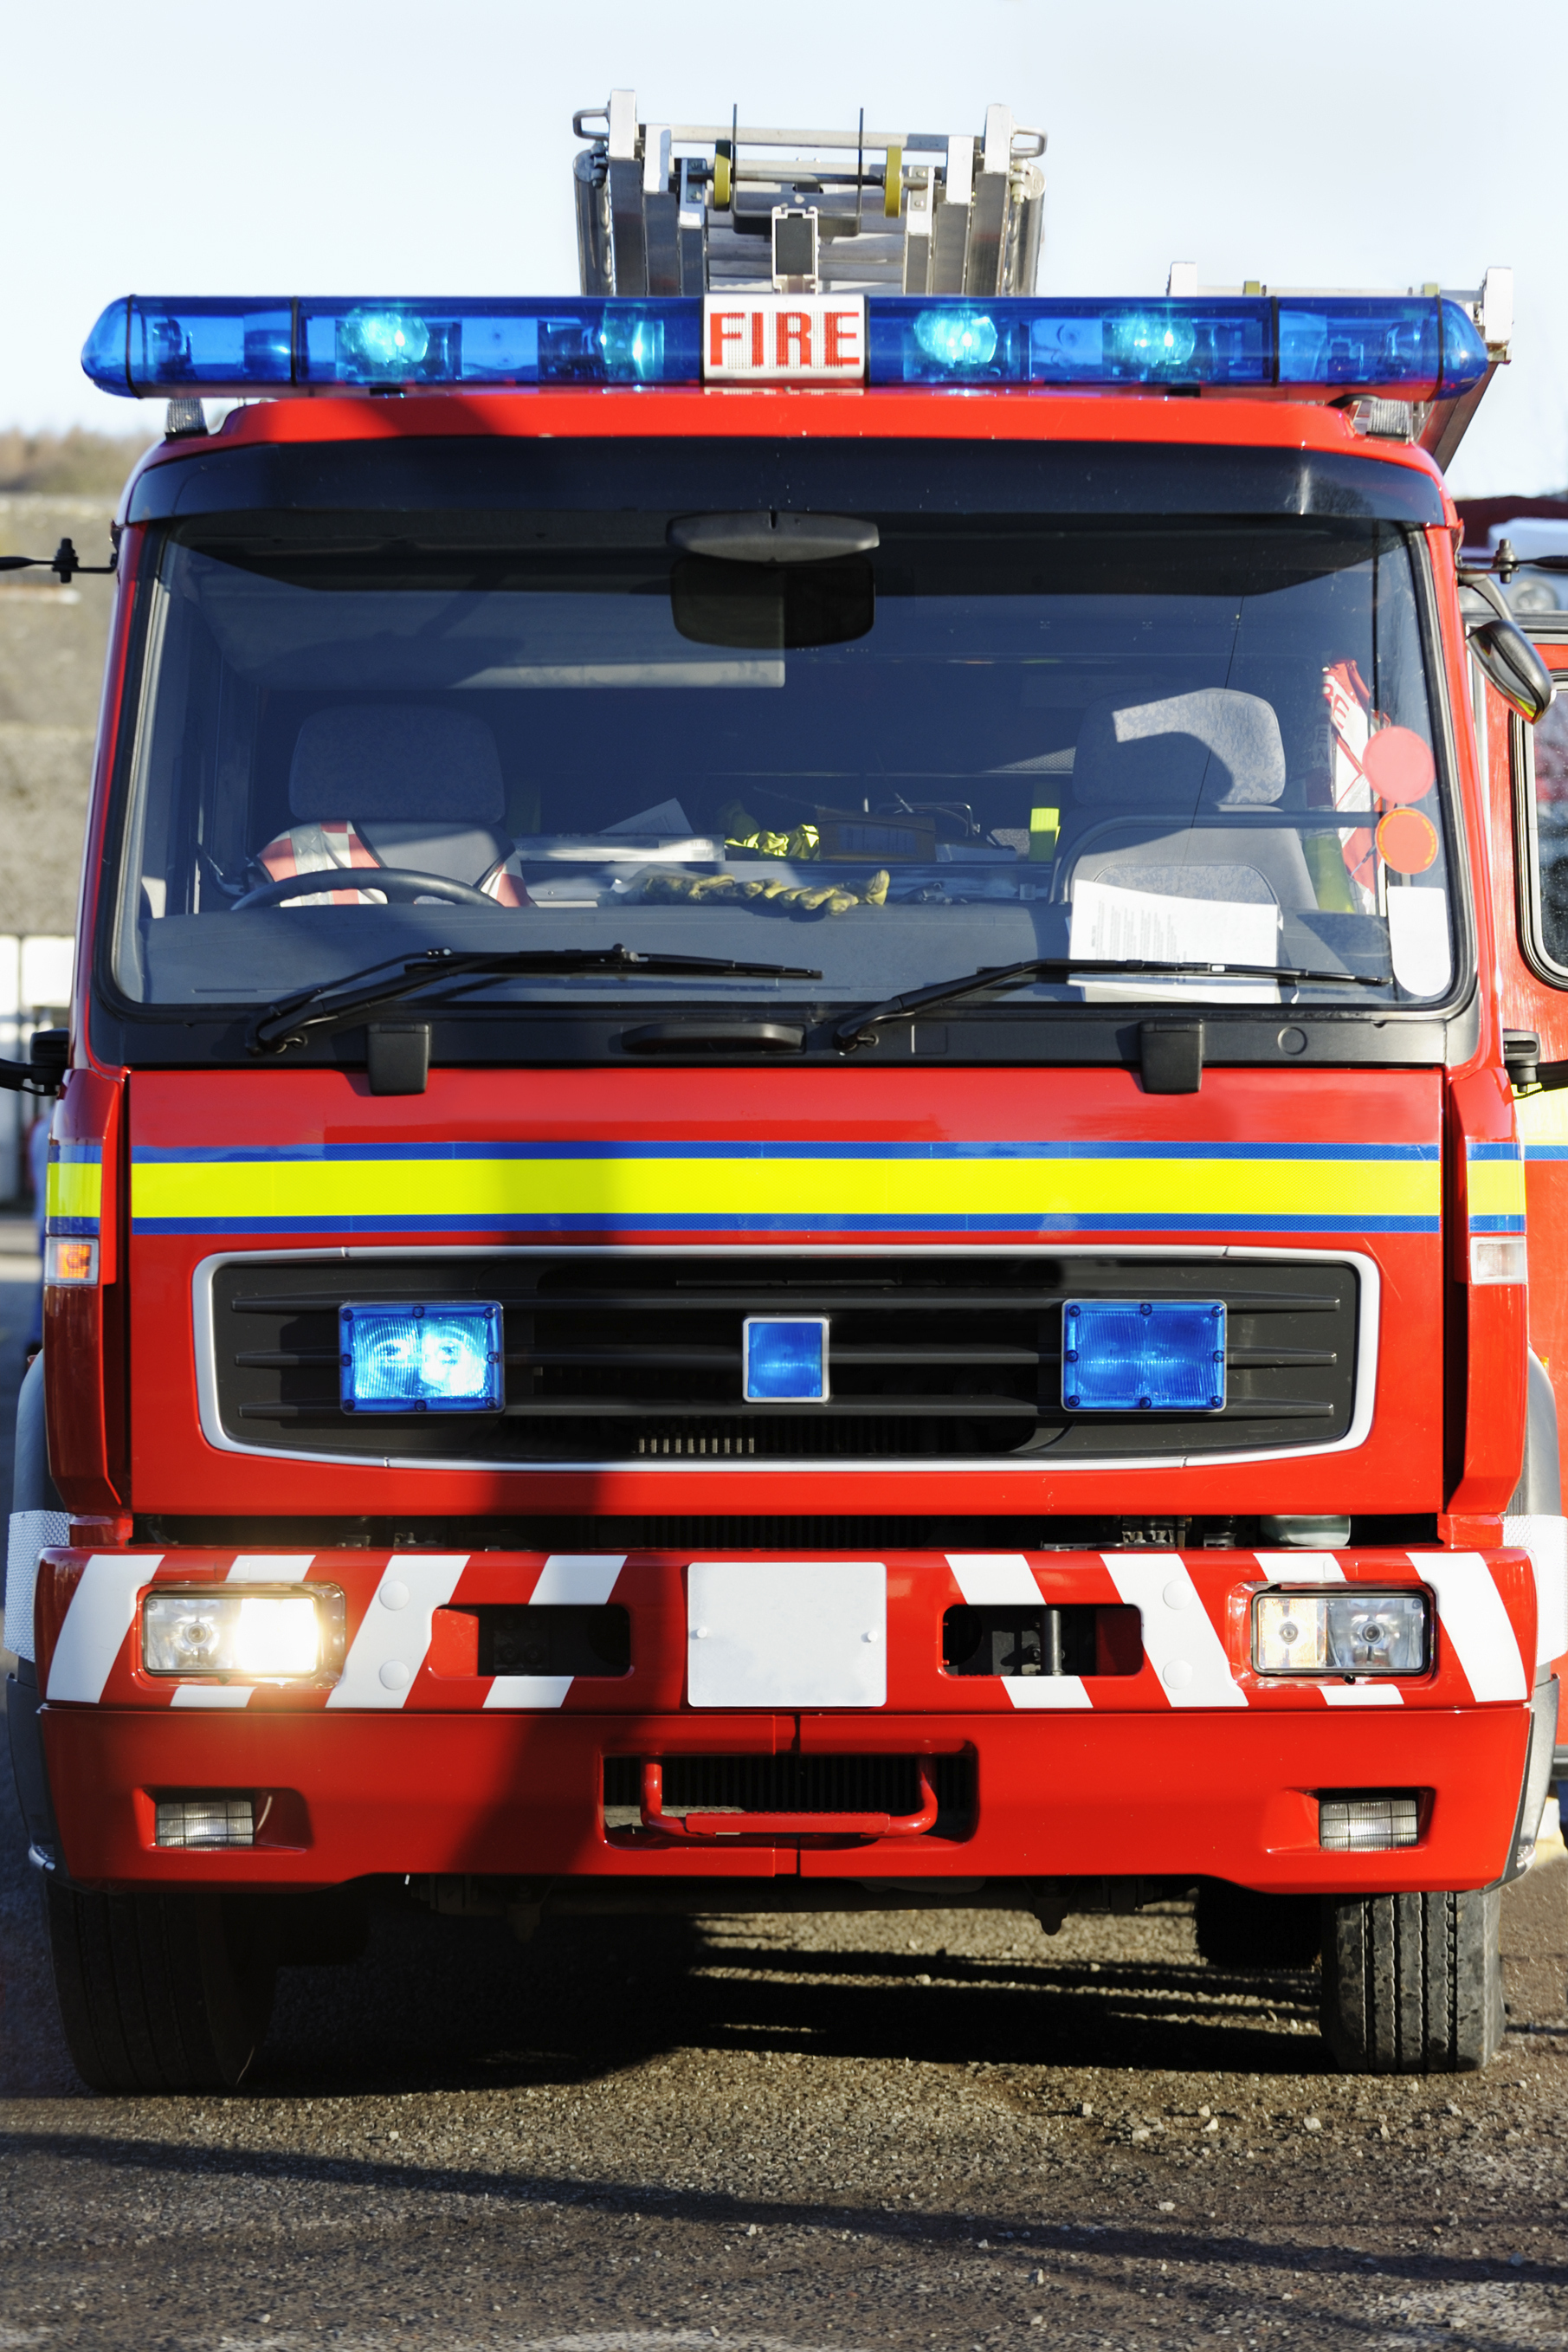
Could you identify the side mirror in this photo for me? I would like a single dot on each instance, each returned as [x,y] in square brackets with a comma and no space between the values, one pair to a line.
[1508,660]
[1511,663]
[44,1073]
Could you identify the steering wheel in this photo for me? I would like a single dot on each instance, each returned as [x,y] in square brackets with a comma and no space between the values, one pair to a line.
[401,886]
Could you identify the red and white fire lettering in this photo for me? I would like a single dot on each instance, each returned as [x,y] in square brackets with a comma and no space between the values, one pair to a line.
[783,338]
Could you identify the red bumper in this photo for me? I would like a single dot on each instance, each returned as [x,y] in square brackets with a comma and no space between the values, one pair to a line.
[1165,1767]
[1077,1796]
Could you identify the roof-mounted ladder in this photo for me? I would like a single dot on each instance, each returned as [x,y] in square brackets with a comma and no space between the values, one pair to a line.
[690,208]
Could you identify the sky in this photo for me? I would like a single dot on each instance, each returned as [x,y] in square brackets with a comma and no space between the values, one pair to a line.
[383,147]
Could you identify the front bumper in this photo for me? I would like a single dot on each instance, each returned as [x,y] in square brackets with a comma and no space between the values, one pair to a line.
[1186,1765]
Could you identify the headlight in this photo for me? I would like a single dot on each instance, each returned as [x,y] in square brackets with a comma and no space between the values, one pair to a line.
[1347,1631]
[258,1636]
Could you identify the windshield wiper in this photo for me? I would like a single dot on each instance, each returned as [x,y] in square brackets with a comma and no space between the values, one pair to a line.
[343,1004]
[851,1031]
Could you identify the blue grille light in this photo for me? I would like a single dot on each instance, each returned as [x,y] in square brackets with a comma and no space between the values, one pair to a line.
[1142,1356]
[1418,347]
[785,1362]
[443,1359]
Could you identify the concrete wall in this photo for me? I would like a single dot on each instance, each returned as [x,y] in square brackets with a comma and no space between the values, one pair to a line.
[52,646]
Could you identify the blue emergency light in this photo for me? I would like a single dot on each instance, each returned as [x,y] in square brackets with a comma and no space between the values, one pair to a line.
[1419,347]
[1143,1355]
[784,1359]
[417,1358]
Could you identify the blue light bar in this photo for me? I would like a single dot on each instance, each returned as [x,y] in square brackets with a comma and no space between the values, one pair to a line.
[1418,348]
[444,1359]
[1421,347]
[146,345]
[1142,1356]
[785,1361]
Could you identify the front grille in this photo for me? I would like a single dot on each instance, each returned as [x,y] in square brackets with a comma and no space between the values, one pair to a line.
[638,1358]
[792,1783]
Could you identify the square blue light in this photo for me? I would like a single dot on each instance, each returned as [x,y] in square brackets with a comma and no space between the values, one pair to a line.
[785,1362]
[1132,1355]
[438,1358]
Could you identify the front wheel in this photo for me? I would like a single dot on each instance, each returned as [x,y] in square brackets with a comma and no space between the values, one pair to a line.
[160,1993]
[1412,1984]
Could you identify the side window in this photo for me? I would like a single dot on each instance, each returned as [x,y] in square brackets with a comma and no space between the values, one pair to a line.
[1543,772]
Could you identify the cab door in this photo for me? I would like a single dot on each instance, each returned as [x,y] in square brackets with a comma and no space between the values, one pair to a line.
[1528,767]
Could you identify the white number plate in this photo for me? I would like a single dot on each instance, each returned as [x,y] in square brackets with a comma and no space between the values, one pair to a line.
[786,1634]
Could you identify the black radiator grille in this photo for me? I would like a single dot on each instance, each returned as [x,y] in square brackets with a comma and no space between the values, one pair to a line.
[792,1783]
[638,1358]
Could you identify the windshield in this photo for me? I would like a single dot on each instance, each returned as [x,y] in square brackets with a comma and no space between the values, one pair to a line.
[951,742]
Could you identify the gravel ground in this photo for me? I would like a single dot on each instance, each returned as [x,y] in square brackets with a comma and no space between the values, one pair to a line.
[913,2129]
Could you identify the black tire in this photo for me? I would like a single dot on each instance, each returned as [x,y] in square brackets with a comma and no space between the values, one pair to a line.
[160,1993]
[1412,1984]
[1240,1929]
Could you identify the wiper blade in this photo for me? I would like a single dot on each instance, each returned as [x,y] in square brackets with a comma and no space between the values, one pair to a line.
[851,1031]
[343,1004]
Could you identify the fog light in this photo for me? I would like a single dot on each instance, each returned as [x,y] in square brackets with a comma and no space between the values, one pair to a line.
[444,1359]
[216,1819]
[262,1636]
[1347,1631]
[1370,1821]
[1143,1355]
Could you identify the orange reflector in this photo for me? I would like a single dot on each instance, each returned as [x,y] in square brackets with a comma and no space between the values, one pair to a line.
[70,1261]
[1407,841]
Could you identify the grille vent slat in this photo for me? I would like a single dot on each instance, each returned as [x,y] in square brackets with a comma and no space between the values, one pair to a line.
[932,1358]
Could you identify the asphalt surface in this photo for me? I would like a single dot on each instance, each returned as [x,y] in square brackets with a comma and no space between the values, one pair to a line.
[916,2129]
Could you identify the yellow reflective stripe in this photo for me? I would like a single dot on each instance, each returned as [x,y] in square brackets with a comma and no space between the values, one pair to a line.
[1496,1187]
[75,1188]
[240,1191]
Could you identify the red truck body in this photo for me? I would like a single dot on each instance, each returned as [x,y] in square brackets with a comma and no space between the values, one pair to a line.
[1167,1757]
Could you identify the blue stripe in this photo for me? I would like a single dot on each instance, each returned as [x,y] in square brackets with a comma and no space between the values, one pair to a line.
[1509,1224]
[72,1228]
[1492,1150]
[618,1224]
[439,1148]
[1546,1150]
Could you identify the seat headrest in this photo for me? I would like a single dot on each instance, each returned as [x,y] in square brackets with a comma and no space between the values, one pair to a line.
[1213,748]
[397,760]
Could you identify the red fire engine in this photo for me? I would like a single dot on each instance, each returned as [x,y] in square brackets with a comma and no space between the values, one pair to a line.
[788,1174]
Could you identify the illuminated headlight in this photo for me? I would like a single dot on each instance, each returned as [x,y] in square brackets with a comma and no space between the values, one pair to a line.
[256,1636]
[442,1358]
[1345,1632]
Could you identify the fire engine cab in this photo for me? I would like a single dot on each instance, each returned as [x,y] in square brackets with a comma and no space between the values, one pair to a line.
[787,1173]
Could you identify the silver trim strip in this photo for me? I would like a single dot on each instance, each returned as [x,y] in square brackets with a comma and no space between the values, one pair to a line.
[1007,1466]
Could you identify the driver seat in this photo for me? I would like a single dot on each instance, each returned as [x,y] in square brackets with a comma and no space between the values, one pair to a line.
[394,784]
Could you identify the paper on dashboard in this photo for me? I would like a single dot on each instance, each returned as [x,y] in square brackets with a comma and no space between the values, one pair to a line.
[1145,926]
